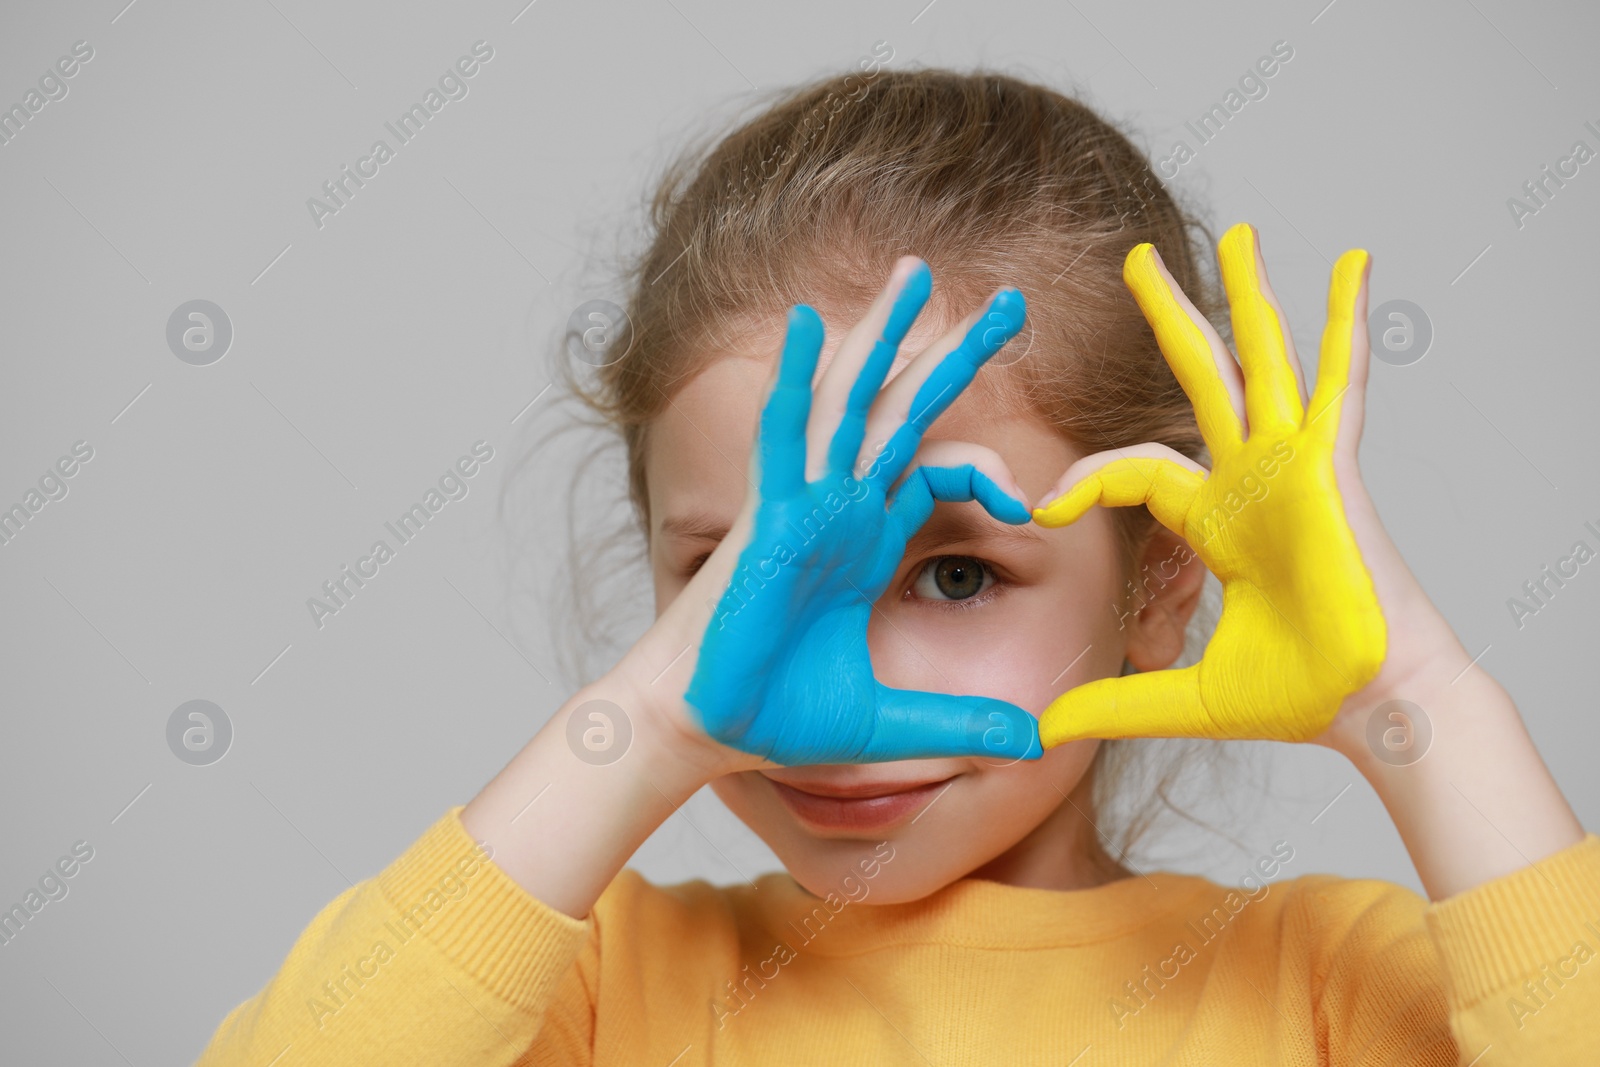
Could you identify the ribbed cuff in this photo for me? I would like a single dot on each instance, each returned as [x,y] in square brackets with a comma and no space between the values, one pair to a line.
[1499,934]
[444,888]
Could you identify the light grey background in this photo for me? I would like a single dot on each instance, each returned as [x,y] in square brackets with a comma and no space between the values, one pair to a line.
[371,353]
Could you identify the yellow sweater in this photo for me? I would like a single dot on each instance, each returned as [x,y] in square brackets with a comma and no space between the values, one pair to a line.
[442,959]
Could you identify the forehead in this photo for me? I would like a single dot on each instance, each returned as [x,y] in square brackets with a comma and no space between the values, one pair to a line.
[698,452]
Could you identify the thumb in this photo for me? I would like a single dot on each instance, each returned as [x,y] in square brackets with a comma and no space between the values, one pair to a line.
[911,724]
[1158,704]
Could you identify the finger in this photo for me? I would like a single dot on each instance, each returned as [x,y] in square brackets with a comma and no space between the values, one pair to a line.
[1155,704]
[1266,351]
[854,375]
[1198,358]
[1342,368]
[987,462]
[1288,336]
[914,500]
[1353,407]
[921,393]
[917,725]
[1152,474]
[782,447]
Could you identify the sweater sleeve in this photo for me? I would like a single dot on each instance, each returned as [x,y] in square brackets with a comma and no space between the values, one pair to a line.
[1521,960]
[441,957]
[1401,981]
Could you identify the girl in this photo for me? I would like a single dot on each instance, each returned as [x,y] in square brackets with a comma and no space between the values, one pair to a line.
[907,688]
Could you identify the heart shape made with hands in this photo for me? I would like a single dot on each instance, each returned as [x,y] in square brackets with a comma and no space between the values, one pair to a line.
[1301,627]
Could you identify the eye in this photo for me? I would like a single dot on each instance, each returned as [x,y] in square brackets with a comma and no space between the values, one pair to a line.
[695,564]
[953,578]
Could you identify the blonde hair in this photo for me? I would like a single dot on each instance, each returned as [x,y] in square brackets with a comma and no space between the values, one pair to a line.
[990,179]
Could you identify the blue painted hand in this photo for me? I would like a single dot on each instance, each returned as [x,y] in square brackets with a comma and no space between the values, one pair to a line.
[783,670]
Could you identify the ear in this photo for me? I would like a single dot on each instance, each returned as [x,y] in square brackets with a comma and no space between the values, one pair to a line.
[1165,591]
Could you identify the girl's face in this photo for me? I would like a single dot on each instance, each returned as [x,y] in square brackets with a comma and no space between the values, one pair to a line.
[1019,613]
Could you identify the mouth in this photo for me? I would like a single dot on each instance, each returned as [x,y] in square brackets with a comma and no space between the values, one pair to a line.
[858,806]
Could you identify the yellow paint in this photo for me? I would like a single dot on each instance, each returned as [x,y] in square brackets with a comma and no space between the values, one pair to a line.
[1301,627]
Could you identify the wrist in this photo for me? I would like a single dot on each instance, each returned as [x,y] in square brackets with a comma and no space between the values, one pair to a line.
[1436,717]
[580,797]
[666,749]
[1451,760]
[1433,676]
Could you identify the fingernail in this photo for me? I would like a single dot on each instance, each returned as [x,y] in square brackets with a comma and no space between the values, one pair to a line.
[902,270]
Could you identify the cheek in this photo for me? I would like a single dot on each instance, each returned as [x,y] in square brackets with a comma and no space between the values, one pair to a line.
[998,806]
[751,802]
[1058,772]
[731,793]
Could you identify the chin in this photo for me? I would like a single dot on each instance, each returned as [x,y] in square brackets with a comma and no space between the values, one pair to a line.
[886,871]
[902,883]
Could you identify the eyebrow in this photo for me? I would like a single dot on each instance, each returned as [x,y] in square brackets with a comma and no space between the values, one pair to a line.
[957,526]
[947,526]
[695,526]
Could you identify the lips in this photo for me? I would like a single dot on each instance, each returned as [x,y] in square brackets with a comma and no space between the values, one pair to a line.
[857,806]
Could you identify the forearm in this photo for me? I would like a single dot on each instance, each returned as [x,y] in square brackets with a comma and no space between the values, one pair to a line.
[561,826]
[1480,802]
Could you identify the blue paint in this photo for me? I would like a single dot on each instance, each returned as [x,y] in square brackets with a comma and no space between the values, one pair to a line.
[783,670]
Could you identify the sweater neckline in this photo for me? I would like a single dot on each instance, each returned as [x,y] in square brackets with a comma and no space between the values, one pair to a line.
[974,912]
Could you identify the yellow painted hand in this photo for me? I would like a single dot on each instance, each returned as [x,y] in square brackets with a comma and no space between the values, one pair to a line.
[1301,626]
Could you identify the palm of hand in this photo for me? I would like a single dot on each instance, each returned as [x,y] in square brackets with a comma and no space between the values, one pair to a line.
[784,670]
[812,612]
[1301,627]
[1300,624]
